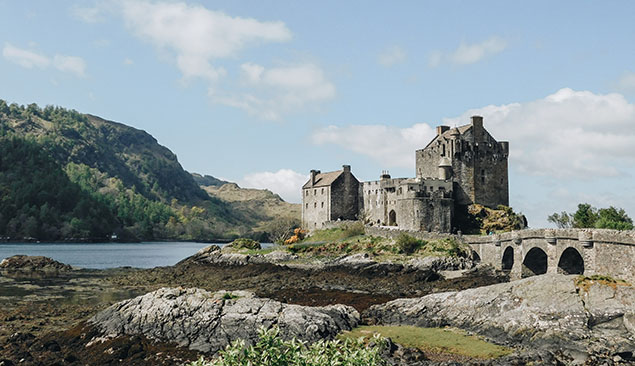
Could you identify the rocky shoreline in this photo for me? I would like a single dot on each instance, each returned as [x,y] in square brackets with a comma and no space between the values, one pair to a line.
[205,301]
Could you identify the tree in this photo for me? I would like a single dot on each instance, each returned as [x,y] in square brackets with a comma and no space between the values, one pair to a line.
[562,220]
[585,216]
[613,218]
[588,216]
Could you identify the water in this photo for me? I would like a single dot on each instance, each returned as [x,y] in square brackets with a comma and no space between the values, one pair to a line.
[108,255]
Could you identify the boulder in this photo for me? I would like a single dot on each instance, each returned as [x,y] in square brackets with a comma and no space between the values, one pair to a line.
[26,263]
[542,311]
[207,322]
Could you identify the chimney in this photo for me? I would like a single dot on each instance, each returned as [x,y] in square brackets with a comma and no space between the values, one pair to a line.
[477,121]
[347,168]
[313,174]
[442,129]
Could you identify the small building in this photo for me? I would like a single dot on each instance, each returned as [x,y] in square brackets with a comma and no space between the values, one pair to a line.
[459,167]
[329,196]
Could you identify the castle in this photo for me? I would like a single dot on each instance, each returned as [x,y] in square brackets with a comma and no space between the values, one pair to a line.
[459,167]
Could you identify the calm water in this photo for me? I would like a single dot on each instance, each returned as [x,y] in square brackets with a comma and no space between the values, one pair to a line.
[108,255]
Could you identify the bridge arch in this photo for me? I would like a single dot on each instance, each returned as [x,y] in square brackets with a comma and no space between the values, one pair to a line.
[571,262]
[535,263]
[508,259]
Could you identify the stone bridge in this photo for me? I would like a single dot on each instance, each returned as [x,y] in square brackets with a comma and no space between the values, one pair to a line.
[531,252]
[571,251]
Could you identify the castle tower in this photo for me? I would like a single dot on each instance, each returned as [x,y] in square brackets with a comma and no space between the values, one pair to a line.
[478,163]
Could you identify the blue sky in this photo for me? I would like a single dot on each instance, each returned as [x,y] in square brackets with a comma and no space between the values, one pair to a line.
[261,92]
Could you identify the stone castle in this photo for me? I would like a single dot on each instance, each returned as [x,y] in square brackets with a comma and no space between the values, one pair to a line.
[459,167]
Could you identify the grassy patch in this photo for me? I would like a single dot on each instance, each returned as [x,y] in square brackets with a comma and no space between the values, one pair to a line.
[436,340]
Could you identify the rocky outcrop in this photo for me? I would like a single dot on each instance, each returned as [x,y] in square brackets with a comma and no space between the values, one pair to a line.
[547,311]
[358,261]
[26,263]
[207,322]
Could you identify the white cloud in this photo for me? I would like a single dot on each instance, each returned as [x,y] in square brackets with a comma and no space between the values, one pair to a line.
[25,58]
[29,59]
[269,93]
[568,134]
[196,35]
[468,53]
[285,182]
[71,64]
[627,82]
[391,56]
[388,145]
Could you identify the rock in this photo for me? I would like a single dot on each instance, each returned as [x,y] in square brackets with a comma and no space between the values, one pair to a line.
[542,311]
[25,263]
[438,264]
[280,256]
[243,243]
[207,322]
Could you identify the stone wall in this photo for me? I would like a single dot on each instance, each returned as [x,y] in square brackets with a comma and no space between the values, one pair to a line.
[315,207]
[345,197]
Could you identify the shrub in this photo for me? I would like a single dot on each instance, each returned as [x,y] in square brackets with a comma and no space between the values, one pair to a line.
[246,243]
[354,229]
[271,350]
[407,244]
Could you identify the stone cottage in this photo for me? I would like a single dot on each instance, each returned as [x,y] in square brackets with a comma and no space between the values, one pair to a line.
[459,167]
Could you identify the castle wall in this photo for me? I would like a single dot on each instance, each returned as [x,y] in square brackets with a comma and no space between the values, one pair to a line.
[344,199]
[315,207]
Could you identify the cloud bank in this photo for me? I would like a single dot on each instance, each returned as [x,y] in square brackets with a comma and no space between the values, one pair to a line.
[568,134]
[285,182]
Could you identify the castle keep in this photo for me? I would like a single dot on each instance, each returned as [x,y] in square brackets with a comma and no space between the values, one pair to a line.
[459,167]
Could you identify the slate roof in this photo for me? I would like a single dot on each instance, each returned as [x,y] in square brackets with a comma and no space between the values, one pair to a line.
[462,129]
[323,179]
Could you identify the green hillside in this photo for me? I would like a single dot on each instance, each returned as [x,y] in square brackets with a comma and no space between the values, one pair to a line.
[141,185]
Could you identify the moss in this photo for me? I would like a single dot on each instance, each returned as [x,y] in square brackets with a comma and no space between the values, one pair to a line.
[436,340]
[245,243]
[584,283]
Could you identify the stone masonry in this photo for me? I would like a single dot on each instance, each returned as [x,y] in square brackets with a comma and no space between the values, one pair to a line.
[459,167]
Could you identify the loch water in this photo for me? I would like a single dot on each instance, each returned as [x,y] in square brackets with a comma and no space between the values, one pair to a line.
[108,255]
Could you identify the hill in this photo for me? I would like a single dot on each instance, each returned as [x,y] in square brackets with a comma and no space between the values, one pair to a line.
[122,168]
[272,210]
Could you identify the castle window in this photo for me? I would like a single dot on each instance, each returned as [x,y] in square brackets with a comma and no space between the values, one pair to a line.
[322,204]
[443,150]
[307,206]
[322,190]
[307,192]
[314,204]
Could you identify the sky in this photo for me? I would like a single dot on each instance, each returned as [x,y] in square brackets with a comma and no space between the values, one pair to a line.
[261,92]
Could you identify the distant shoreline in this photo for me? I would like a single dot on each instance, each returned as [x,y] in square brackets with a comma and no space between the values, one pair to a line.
[98,240]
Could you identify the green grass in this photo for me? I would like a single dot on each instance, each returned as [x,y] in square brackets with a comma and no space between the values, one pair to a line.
[437,340]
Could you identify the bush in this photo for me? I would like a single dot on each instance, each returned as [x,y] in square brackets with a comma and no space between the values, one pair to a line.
[354,229]
[271,350]
[407,244]
[245,243]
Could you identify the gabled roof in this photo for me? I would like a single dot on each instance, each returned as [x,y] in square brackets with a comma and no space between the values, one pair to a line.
[462,129]
[323,179]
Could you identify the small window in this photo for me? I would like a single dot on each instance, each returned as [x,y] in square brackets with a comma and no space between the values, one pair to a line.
[314,192]
[307,206]
[314,204]
[322,204]
[322,191]
[307,192]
